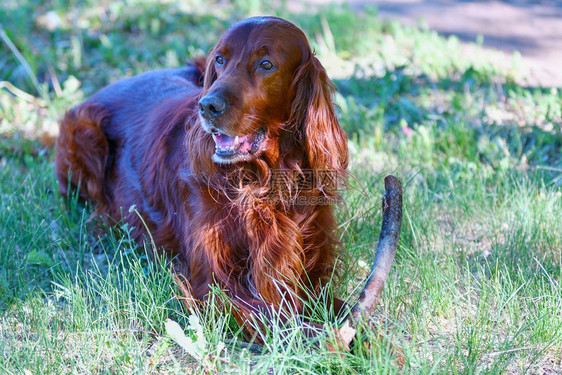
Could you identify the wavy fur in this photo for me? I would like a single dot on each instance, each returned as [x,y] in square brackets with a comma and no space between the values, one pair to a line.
[263,229]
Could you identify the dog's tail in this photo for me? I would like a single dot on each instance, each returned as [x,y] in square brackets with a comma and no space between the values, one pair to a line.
[83,152]
[195,71]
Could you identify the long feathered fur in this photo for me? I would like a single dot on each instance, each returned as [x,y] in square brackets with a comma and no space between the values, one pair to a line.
[262,229]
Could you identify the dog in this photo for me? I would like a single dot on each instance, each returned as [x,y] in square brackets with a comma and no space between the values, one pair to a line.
[233,163]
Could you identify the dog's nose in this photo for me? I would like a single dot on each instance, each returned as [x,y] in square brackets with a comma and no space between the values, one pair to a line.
[212,106]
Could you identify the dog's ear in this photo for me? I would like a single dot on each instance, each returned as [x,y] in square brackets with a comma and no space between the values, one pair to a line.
[314,120]
[210,74]
[199,65]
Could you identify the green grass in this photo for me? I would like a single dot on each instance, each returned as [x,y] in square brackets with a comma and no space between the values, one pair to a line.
[476,283]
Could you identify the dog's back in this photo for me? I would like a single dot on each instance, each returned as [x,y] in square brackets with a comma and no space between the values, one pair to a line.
[93,156]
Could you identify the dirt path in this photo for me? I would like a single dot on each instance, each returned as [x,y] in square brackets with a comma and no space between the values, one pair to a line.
[532,27]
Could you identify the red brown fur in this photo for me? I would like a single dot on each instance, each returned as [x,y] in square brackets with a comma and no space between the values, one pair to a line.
[146,141]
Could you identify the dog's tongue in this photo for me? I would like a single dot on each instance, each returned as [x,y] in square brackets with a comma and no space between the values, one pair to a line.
[225,142]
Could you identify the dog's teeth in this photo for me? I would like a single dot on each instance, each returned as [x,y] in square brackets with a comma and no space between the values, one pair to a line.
[236,140]
[225,148]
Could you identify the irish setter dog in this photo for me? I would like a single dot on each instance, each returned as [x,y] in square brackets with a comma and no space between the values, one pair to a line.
[225,160]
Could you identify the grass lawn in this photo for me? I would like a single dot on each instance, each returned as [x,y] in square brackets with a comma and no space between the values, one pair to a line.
[476,283]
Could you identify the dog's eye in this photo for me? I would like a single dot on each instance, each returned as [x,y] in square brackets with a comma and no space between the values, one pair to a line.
[267,65]
[219,60]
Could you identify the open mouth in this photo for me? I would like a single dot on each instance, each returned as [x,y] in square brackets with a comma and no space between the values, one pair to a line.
[230,149]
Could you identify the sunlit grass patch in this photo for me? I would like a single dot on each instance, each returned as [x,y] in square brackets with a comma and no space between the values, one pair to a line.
[476,283]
